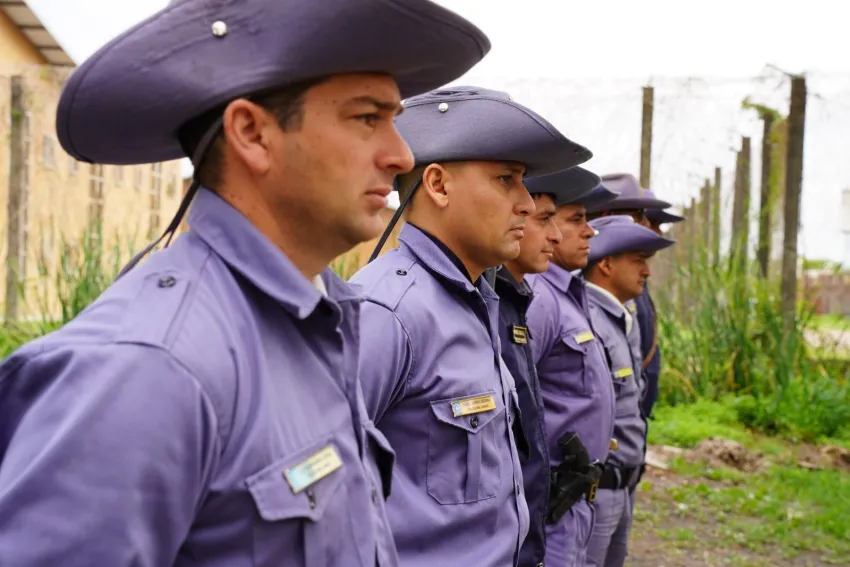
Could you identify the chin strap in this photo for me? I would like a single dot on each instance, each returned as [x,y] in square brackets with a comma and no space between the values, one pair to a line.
[171,229]
[393,221]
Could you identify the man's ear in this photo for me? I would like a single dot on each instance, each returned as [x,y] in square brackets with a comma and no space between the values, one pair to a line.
[245,129]
[604,266]
[435,179]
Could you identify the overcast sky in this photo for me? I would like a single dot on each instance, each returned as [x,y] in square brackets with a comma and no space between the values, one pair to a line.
[581,64]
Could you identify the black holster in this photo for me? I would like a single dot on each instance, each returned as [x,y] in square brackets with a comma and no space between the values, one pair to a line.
[573,478]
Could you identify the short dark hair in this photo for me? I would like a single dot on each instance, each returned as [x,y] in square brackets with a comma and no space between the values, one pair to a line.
[587,271]
[286,103]
[405,184]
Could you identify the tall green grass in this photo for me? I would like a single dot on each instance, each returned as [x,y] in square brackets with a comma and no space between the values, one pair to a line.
[66,284]
[723,332]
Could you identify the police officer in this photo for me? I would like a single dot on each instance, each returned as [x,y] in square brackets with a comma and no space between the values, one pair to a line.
[616,271]
[431,365]
[205,410]
[578,397]
[536,249]
[657,217]
[647,318]
[639,203]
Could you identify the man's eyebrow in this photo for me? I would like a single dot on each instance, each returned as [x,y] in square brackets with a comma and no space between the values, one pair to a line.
[513,167]
[386,106]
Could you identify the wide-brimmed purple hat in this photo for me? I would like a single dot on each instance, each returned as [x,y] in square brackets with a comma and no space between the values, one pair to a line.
[126,103]
[632,196]
[467,123]
[569,186]
[617,234]
[660,216]
[596,198]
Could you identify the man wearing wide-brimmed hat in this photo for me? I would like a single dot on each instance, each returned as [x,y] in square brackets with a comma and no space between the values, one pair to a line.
[537,247]
[647,316]
[431,367]
[616,271]
[641,204]
[205,410]
[578,397]
[657,217]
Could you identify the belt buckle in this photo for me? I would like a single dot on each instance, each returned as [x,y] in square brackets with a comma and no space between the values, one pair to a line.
[591,493]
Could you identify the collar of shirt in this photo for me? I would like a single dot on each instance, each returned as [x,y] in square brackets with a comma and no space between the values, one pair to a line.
[437,257]
[247,251]
[509,289]
[611,304]
[445,250]
[564,281]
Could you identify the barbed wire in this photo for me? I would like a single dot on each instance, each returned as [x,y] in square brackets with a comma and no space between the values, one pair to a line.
[698,125]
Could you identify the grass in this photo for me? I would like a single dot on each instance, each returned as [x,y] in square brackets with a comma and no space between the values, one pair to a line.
[67,284]
[722,331]
[834,322]
[784,515]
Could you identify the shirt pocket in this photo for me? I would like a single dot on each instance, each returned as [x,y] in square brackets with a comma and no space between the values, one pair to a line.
[625,390]
[309,526]
[576,364]
[463,452]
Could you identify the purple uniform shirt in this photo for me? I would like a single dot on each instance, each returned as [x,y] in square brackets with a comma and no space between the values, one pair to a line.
[577,392]
[435,384]
[204,411]
[622,345]
[514,299]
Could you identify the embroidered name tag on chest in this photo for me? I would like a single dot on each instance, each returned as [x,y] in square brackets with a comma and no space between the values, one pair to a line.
[476,404]
[312,469]
[624,373]
[519,334]
[584,337]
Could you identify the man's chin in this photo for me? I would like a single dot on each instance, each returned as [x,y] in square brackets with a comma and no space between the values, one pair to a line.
[370,228]
[509,252]
[539,267]
[577,264]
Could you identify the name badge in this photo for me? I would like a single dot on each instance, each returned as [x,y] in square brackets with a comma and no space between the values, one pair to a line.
[476,404]
[582,338]
[624,372]
[312,469]
[519,334]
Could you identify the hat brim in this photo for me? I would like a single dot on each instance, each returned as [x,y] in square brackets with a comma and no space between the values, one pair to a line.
[567,186]
[511,133]
[125,104]
[626,238]
[662,217]
[630,203]
[596,198]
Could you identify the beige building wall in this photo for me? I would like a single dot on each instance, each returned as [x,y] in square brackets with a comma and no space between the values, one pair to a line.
[64,197]
[14,45]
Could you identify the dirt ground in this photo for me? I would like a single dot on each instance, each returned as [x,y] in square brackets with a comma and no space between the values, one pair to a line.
[670,533]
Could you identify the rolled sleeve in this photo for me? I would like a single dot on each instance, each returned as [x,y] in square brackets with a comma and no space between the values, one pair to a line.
[108,461]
